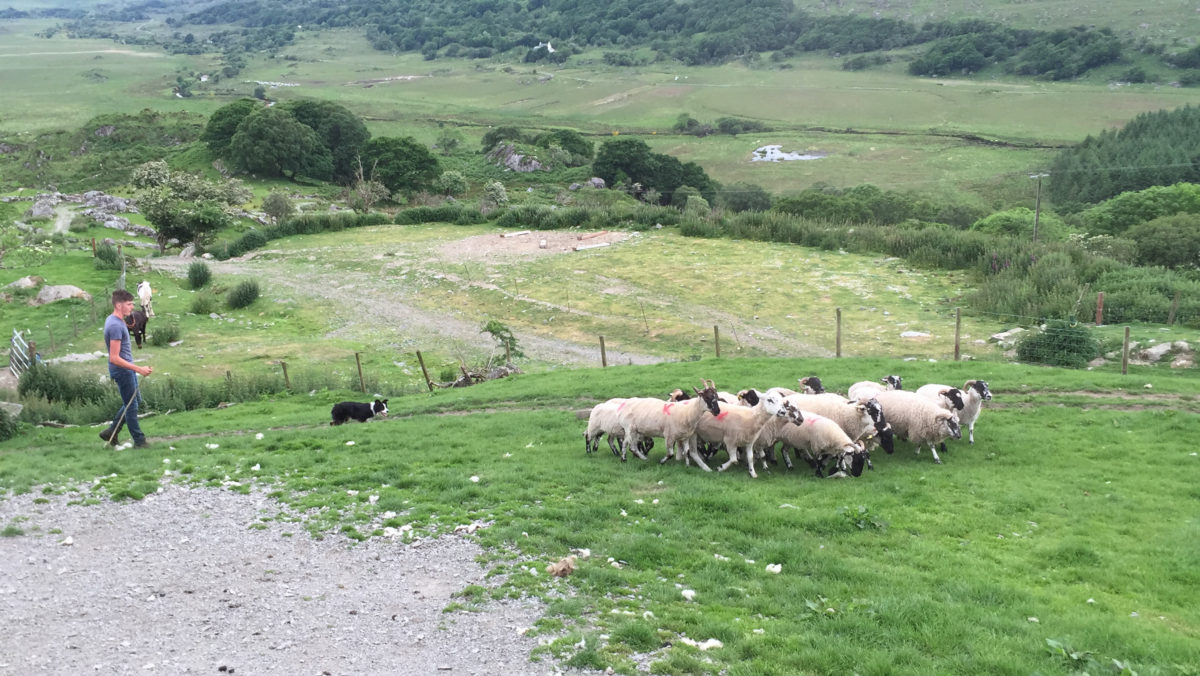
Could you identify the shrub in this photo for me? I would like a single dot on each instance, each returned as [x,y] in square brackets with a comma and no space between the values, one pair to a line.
[8,426]
[57,384]
[250,241]
[204,304]
[278,205]
[1060,343]
[107,258]
[199,275]
[164,334]
[243,295]
[452,183]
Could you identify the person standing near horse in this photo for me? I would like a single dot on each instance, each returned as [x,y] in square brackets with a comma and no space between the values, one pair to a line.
[122,370]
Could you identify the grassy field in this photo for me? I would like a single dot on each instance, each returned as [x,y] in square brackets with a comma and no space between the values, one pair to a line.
[1061,526]
[876,126]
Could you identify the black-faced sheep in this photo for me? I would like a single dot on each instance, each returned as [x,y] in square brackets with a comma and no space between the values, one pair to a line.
[860,389]
[675,422]
[918,419]
[819,440]
[860,420]
[974,392]
[737,427]
[603,421]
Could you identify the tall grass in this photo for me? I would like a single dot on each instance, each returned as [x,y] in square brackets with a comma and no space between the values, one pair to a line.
[1023,278]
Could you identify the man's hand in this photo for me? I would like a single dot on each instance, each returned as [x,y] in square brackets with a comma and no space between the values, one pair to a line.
[145,370]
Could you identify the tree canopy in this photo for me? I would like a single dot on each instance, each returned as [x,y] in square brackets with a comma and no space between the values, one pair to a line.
[1156,148]
[223,124]
[271,142]
[631,161]
[340,131]
[400,163]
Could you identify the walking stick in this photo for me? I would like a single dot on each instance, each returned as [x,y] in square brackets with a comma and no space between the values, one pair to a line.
[124,410]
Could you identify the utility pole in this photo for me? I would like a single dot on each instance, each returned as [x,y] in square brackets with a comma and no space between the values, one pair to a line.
[1037,203]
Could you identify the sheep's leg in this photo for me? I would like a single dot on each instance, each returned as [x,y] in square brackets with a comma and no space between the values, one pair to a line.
[733,458]
[750,461]
[971,432]
[935,455]
[612,446]
[787,457]
[942,447]
[695,456]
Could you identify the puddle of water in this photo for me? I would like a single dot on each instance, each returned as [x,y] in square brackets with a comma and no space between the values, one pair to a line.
[776,154]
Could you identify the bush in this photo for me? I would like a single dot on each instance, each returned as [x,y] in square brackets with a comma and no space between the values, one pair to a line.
[164,334]
[243,295]
[1060,343]
[204,304]
[199,275]
[107,258]
[249,241]
[8,426]
[57,384]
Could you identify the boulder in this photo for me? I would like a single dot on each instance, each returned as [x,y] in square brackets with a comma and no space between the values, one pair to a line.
[917,335]
[13,409]
[52,294]
[30,282]
[1006,339]
[506,155]
[1155,352]
[43,207]
[596,182]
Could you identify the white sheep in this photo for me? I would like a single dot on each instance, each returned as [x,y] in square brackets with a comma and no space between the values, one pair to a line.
[818,440]
[974,393]
[675,422]
[860,389]
[737,427]
[603,421]
[918,419]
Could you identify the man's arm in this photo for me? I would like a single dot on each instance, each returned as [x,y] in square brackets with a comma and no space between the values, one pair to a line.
[115,358]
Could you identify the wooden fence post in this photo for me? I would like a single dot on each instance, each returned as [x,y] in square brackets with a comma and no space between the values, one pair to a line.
[32,352]
[1100,308]
[603,356]
[717,340]
[287,383]
[957,333]
[362,385]
[1125,354]
[838,351]
[93,247]
[93,309]
[421,361]
[51,335]
[507,353]
[1174,309]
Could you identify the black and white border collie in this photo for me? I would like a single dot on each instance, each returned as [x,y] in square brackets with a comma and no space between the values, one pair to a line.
[360,412]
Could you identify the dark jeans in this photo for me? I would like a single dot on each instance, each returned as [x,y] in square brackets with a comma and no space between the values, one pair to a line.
[126,381]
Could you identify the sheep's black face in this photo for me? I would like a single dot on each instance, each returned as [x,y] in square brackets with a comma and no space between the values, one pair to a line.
[955,430]
[857,462]
[887,438]
[892,382]
[955,396]
[709,395]
[982,388]
[791,413]
[812,385]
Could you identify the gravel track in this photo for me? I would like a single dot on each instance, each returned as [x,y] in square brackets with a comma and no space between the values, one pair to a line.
[189,581]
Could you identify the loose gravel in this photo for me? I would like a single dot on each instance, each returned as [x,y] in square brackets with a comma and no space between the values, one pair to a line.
[193,581]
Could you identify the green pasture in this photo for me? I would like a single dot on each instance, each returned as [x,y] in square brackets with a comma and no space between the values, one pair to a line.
[1063,523]
[877,126]
[1158,21]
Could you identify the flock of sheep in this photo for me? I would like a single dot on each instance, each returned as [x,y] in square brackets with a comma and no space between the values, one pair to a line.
[832,433]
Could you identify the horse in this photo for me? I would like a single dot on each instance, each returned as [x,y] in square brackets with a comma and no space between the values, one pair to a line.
[136,322]
[145,293]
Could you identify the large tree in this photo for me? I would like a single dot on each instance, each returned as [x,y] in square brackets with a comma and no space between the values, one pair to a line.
[630,160]
[341,132]
[400,163]
[223,124]
[183,206]
[271,142]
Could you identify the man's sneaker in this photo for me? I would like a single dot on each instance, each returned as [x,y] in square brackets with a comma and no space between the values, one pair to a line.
[110,435]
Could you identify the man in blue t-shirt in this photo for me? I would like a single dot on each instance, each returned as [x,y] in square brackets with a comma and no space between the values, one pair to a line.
[122,370]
